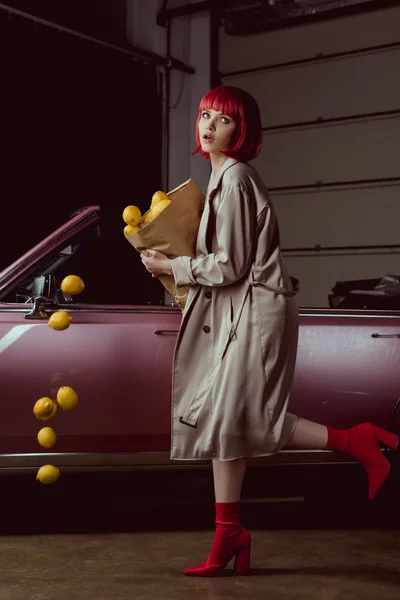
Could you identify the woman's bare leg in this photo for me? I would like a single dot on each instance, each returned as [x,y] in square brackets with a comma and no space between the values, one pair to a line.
[231,538]
[228,474]
[228,478]
[360,442]
[308,434]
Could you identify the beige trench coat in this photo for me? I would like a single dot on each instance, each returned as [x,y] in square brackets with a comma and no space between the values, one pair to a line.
[236,348]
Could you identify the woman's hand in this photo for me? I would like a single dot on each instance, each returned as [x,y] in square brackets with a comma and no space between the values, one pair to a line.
[156,263]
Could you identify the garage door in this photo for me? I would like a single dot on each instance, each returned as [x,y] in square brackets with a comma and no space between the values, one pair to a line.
[329,95]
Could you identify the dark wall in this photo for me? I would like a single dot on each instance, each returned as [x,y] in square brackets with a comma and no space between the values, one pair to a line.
[105,19]
[80,125]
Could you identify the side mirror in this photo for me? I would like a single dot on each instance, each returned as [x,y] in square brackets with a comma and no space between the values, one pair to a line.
[44,287]
[41,288]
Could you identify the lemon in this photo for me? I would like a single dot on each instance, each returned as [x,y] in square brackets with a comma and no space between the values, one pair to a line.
[159,197]
[46,437]
[67,398]
[60,320]
[159,207]
[131,215]
[72,285]
[48,474]
[45,409]
[146,219]
[129,229]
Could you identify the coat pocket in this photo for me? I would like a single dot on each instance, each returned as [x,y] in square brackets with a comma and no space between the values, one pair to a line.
[229,314]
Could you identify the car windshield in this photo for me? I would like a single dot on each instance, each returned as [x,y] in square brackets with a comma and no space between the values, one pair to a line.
[110,267]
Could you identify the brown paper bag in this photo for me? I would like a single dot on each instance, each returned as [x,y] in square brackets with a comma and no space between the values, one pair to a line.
[174,232]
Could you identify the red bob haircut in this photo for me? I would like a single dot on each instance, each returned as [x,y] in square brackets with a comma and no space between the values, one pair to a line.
[238,104]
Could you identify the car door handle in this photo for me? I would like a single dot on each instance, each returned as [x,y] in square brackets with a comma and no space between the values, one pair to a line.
[158,331]
[385,335]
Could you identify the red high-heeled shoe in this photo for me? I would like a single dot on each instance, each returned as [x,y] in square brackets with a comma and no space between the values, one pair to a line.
[361,442]
[231,540]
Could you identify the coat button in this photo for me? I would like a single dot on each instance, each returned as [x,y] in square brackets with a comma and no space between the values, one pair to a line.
[208,295]
[206,329]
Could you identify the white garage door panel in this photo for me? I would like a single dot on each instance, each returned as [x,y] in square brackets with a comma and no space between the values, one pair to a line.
[247,52]
[365,149]
[355,151]
[330,89]
[361,217]
[318,274]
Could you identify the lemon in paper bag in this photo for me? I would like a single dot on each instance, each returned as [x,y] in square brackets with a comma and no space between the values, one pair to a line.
[132,215]
[130,229]
[159,197]
[158,208]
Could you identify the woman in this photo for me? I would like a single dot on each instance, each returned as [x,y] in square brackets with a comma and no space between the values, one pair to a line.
[236,349]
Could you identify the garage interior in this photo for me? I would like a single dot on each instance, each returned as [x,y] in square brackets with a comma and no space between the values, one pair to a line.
[326,76]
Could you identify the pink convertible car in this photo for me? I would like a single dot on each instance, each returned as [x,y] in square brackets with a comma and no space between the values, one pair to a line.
[119,357]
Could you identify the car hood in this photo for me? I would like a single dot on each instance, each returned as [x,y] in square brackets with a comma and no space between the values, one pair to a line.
[17,270]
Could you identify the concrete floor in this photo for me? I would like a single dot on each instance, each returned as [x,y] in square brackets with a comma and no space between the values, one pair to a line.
[131,535]
[290,564]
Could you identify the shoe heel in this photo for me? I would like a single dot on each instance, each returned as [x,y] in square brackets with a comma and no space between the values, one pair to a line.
[386,437]
[242,560]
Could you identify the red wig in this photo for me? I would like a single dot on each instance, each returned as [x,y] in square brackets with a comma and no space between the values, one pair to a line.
[238,104]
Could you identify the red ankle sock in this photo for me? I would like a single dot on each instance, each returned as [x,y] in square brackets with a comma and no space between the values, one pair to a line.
[338,439]
[231,539]
[228,527]
[228,514]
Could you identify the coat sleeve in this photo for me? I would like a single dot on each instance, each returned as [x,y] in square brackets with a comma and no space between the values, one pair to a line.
[235,229]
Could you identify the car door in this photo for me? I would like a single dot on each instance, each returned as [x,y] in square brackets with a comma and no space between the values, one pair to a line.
[111,356]
[348,367]
[118,358]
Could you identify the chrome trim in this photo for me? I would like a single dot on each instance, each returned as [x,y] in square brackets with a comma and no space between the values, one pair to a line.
[118,461]
[38,311]
[73,309]
[15,310]
[375,315]
[166,309]
[120,309]
[272,499]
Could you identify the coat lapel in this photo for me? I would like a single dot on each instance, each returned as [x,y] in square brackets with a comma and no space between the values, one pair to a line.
[214,183]
[212,189]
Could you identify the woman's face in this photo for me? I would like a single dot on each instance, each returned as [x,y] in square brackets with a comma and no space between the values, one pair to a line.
[215,131]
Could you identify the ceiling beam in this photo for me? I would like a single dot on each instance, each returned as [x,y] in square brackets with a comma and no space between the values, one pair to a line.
[167,14]
[219,6]
[136,53]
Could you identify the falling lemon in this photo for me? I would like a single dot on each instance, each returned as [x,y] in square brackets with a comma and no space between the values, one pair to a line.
[129,229]
[159,197]
[72,285]
[131,215]
[60,320]
[48,474]
[45,409]
[67,398]
[46,437]
[159,207]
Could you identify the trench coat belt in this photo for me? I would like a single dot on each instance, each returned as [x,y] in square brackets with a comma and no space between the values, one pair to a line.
[279,290]
[193,410]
